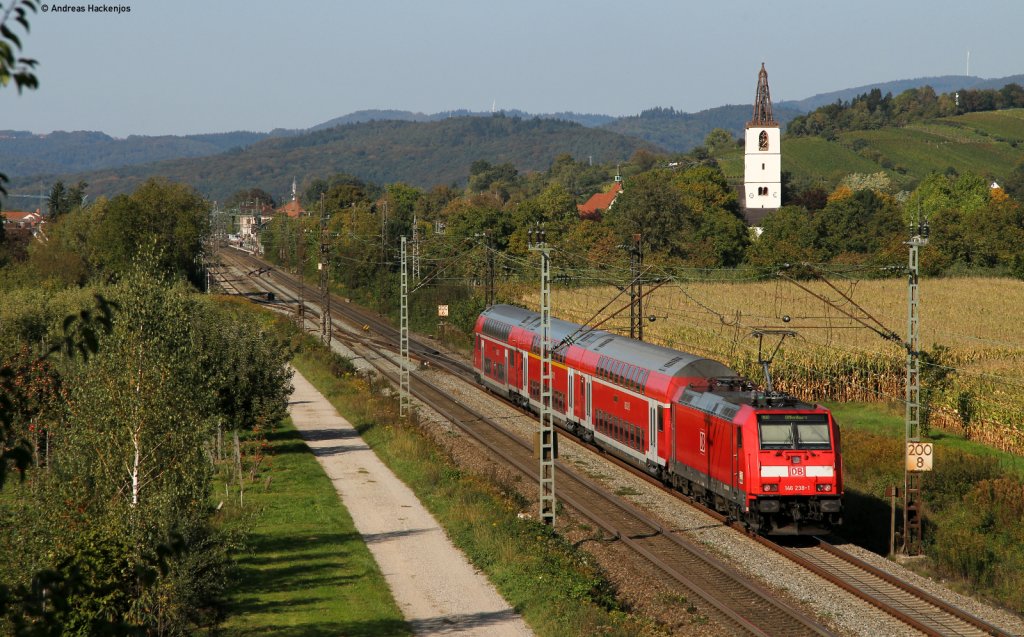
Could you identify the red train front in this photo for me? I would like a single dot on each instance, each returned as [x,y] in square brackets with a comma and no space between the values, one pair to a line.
[766,459]
[771,461]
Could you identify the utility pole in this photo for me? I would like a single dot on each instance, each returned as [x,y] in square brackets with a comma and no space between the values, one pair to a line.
[404,395]
[324,265]
[537,243]
[636,292]
[912,475]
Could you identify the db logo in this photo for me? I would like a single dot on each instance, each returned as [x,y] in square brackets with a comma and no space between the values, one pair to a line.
[797,472]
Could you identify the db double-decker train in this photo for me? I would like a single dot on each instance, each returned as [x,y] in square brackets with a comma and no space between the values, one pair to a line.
[766,459]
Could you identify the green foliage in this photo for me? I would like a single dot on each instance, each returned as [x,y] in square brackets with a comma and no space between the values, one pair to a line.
[103,239]
[691,216]
[980,544]
[126,465]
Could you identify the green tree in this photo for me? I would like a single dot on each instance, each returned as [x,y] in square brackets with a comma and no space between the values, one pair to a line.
[788,236]
[63,200]
[171,217]
[12,66]
[719,140]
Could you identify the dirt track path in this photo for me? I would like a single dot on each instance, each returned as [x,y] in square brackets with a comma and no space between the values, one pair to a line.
[439,592]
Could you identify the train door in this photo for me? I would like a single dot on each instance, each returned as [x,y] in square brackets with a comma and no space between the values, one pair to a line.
[652,432]
[580,402]
[570,376]
[512,373]
[526,373]
[504,369]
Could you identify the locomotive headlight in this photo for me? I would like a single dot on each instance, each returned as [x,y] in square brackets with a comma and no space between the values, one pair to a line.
[770,488]
[827,488]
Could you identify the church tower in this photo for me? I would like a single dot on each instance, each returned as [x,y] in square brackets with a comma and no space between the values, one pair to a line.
[762,166]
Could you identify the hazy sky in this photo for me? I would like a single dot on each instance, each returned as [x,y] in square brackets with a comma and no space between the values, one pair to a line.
[194,66]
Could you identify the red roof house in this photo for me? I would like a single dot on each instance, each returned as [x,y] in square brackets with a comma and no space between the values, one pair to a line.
[599,203]
[27,222]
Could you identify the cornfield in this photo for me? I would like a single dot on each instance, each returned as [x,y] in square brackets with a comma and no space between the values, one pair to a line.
[973,324]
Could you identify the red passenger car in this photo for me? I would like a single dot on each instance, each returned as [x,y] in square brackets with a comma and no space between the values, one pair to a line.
[767,459]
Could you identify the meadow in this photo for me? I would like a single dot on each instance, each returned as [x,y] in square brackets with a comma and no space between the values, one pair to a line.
[969,326]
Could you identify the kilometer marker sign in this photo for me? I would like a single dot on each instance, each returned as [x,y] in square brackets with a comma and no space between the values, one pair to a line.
[919,456]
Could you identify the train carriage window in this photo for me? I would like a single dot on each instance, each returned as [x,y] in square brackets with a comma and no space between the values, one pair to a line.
[487,366]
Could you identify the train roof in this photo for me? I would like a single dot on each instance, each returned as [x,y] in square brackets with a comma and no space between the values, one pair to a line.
[654,357]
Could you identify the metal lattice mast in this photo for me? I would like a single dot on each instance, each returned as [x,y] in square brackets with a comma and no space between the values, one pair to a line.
[415,251]
[404,394]
[913,499]
[636,291]
[325,267]
[489,279]
[547,427]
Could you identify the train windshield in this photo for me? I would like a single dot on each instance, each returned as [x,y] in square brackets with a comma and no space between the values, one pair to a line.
[793,431]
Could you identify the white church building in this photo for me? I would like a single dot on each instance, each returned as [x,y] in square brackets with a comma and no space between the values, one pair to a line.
[762,165]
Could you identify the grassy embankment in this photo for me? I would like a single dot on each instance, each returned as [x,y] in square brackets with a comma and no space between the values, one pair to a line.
[304,569]
[976,547]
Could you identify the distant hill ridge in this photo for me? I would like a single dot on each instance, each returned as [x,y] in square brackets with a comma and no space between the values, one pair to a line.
[422,154]
[23,154]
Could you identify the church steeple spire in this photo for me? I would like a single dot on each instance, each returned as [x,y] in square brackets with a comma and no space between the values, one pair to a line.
[762,102]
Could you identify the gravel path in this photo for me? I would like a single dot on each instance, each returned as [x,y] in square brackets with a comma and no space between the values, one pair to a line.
[437,589]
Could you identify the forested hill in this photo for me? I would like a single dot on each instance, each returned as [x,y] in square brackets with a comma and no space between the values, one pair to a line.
[681,132]
[23,153]
[940,84]
[359,117]
[422,154]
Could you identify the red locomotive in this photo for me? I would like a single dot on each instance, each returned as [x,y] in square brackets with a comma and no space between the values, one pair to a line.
[766,459]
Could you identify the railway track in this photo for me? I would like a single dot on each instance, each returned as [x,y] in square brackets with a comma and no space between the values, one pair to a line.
[910,604]
[901,600]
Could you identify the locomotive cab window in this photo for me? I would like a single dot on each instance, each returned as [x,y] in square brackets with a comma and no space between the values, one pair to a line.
[793,431]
